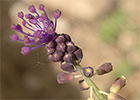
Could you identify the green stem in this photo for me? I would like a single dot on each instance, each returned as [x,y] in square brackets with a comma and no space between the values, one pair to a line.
[90,83]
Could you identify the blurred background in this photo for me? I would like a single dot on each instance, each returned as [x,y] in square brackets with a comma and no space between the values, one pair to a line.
[106,30]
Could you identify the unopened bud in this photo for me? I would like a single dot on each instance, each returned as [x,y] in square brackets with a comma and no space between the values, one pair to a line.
[118,84]
[41,7]
[25,50]
[83,85]
[69,58]
[50,50]
[67,67]
[57,13]
[104,68]
[61,47]
[14,37]
[60,39]
[56,56]
[20,15]
[64,77]
[67,37]
[78,54]
[113,96]
[32,9]
[70,47]
[51,44]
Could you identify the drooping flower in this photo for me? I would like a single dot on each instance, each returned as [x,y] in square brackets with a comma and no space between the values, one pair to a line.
[88,71]
[64,77]
[104,68]
[118,84]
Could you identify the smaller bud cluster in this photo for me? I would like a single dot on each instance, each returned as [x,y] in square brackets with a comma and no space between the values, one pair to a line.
[63,50]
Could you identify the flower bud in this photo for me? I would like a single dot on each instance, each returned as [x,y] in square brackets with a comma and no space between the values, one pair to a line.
[23,22]
[64,77]
[61,47]
[50,28]
[14,37]
[69,58]
[42,18]
[67,37]
[20,15]
[78,54]
[88,71]
[17,27]
[67,67]
[50,50]
[51,44]
[83,85]
[41,7]
[25,50]
[104,68]
[51,58]
[118,84]
[60,39]
[70,47]
[29,16]
[113,96]
[33,21]
[57,13]
[32,9]
[56,56]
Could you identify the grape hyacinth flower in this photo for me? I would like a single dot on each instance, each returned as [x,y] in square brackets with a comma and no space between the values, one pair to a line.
[60,48]
[88,71]
[118,84]
[104,68]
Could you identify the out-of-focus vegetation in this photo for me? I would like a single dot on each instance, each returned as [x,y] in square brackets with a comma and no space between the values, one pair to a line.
[123,68]
[112,25]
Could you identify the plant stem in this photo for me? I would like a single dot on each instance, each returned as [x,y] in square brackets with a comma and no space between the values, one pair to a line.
[90,83]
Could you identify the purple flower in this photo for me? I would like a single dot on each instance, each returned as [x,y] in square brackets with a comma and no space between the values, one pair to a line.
[67,67]
[14,37]
[104,68]
[57,13]
[59,47]
[25,50]
[32,9]
[88,71]
[43,29]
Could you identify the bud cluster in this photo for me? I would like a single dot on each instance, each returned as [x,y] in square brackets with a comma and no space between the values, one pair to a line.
[63,50]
